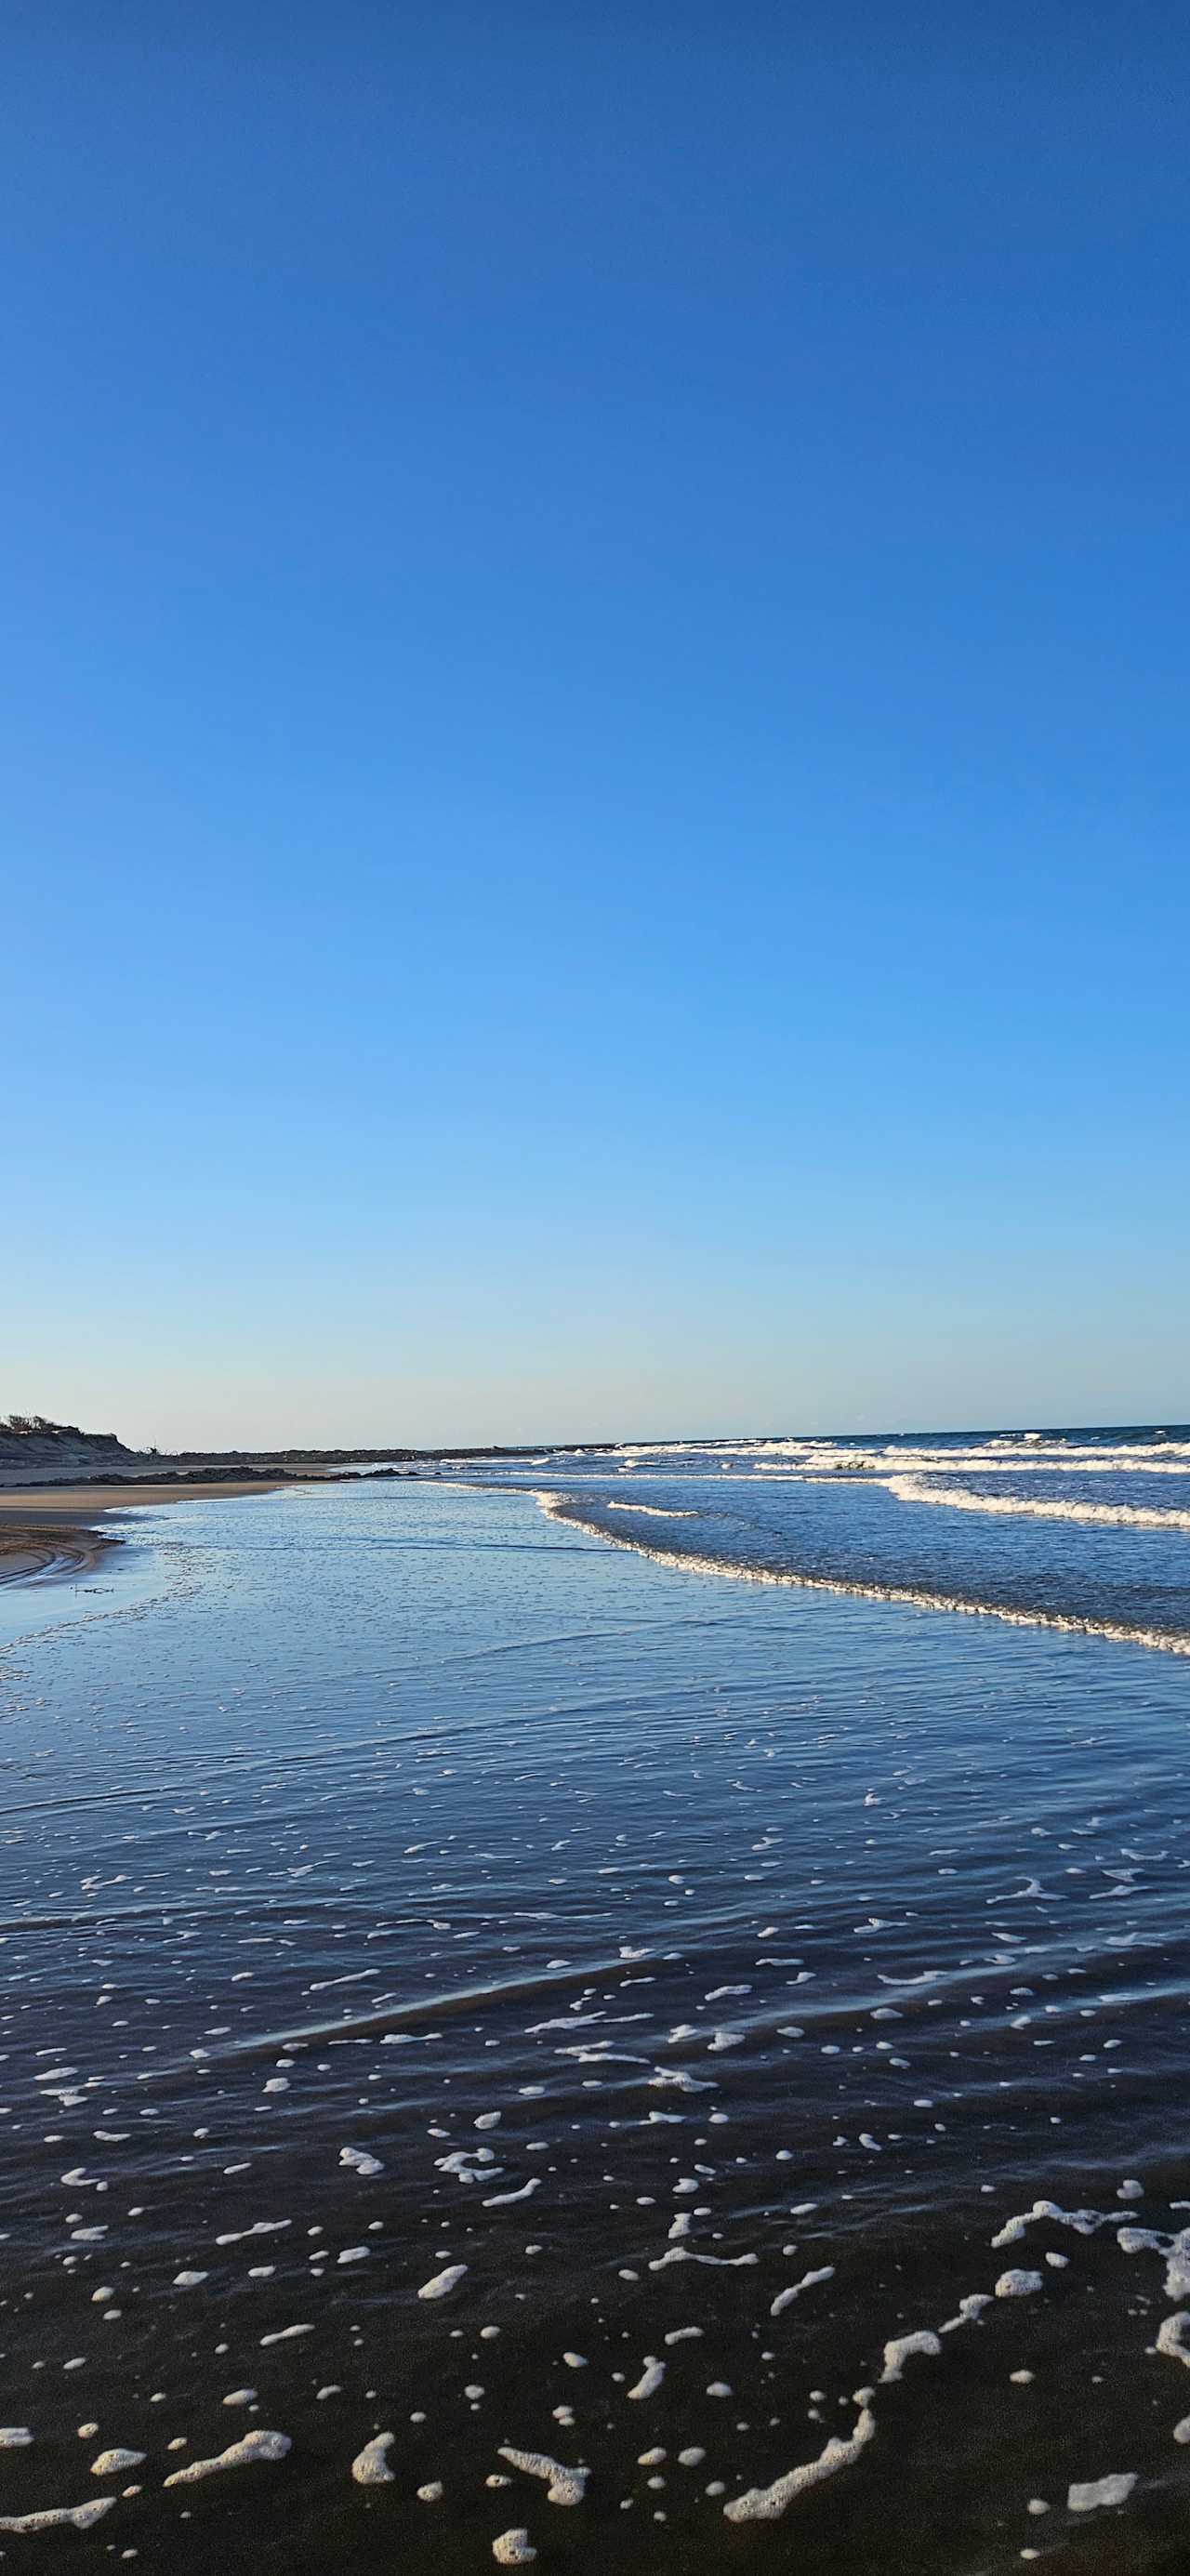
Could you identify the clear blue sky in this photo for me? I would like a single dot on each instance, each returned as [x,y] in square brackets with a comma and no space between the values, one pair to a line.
[594,718]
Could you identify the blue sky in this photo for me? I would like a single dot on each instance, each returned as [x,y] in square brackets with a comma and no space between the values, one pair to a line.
[593,727]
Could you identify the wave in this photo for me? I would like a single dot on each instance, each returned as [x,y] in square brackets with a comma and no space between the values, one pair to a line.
[1031,1453]
[653,1510]
[561,1507]
[1037,1462]
[908,1489]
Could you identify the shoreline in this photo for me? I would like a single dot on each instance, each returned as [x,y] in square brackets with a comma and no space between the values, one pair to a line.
[556,1507]
[46,1532]
[33,1553]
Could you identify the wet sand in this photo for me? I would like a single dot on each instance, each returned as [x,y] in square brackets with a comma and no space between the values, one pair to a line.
[46,1531]
[35,1549]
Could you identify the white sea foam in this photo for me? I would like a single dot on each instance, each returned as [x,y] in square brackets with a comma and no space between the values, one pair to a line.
[809,2281]
[239,2455]
[1026,1506]
[1172,2337]
[240,2236]
[1083,2222]
[765,2504]
[370,2466]
[970,2310]
[686,2254]
[1100,2491]
[902,2349]
[1177,2277]
[565,1508]
[364,2165]
[443,2282]
[1029,1453]
[562,2485]
[52,2517]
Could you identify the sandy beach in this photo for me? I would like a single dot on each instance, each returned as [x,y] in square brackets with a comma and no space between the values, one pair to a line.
[39,1548]
[47,1532]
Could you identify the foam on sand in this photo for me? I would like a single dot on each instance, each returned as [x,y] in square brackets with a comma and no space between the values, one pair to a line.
[362,2164]
[1171,2337]
[903,2347]
[370,2466]
[686,2254]
[1100,2491]
[766,2504]
[79,2516]
[562,2485]
[808,2281]
[443,2282]
[239,2455]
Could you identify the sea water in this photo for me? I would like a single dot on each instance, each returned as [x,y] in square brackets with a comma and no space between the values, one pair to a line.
[513,2042]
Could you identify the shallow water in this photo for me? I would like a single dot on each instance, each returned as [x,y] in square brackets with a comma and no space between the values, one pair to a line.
[1075,1529]
[670,1945]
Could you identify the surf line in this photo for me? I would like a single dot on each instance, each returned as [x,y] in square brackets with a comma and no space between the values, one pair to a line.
[557,1507]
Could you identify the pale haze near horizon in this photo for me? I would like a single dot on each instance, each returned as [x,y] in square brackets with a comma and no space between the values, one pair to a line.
[595,754]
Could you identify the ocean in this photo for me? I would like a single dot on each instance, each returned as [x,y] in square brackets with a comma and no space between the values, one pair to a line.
[631,2008]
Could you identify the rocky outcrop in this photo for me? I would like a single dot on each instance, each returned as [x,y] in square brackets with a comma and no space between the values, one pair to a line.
[34,1451]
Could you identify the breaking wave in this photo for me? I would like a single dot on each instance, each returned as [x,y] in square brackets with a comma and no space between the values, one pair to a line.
[564,1509]
[908,1489]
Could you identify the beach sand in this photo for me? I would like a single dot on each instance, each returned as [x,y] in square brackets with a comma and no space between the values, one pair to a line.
[60,1548]
[46,1530]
